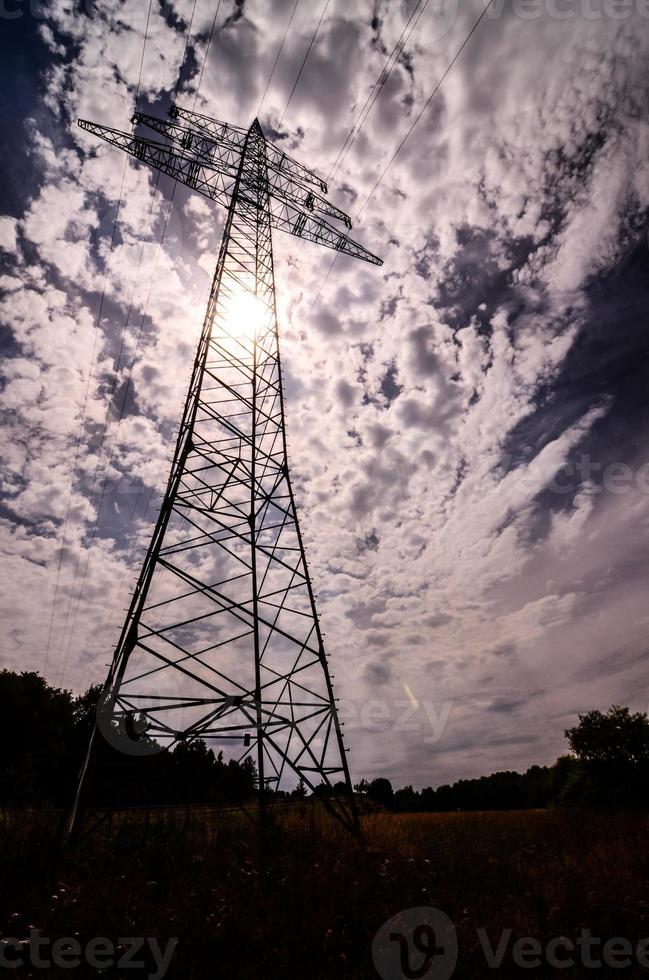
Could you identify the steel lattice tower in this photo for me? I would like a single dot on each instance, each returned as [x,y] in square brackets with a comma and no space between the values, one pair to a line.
[222,639]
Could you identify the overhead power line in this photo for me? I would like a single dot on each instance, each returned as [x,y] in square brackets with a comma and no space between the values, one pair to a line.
[93,357]
[377,88]
[129,378]
[92,361]
[406,137]
[373,95]
[277,56]
[101,447]
[425,107]
[304,61]
[146,36]
[182,63]
[83,421]
[207,51]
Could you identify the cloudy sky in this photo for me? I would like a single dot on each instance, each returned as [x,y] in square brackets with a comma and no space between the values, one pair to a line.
[468,424]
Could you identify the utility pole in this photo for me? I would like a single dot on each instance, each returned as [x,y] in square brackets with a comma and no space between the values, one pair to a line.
[222,640]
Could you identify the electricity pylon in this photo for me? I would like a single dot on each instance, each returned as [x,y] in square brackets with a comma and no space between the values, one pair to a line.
[222,639]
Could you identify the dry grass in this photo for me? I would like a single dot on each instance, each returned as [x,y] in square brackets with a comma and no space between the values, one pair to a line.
[313,909]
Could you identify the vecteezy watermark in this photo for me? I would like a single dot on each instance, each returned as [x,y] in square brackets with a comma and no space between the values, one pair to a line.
[441,17]
[416,944]
[615,478]
[569,9]
[399,715]
[421,943]
[564,953]
[137,733]
[611,477]
[40,952]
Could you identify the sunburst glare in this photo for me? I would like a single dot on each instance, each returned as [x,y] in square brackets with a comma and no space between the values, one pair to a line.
[245,316]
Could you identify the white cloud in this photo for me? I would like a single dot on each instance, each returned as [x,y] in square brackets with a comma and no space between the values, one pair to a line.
[8,227]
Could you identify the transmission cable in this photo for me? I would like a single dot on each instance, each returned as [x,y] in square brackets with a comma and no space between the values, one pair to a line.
[182,63]
[146,36]
[304,61]
[83,419]
[361,118]
[108,413]
[108,465]
[406,137]
[207,50]
[424,107]
[92,361]
[129,376]
[94,350]
[277,56]
[376,89]
[131,551]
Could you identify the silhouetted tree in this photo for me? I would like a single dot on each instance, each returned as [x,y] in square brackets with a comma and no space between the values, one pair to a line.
[406,799]
[299,793]
[616,738]
[44,734]
[380,790]
[36,739]
[612,749]
[428,798]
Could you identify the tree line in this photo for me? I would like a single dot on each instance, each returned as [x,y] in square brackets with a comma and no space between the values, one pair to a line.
[608,766]
[44,734]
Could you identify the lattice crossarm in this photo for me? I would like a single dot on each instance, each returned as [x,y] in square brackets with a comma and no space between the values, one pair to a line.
[282,163]
[202,177]
[277,159]
[221,153]
[211,127]
[225,154]
[293,192]
[287,217]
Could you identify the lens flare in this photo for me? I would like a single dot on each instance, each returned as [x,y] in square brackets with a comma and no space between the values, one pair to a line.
[245,316]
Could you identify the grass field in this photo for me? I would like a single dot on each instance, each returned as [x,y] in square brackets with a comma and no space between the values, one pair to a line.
[315,906]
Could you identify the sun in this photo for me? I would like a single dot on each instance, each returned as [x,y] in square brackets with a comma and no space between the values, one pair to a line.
[245,316]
